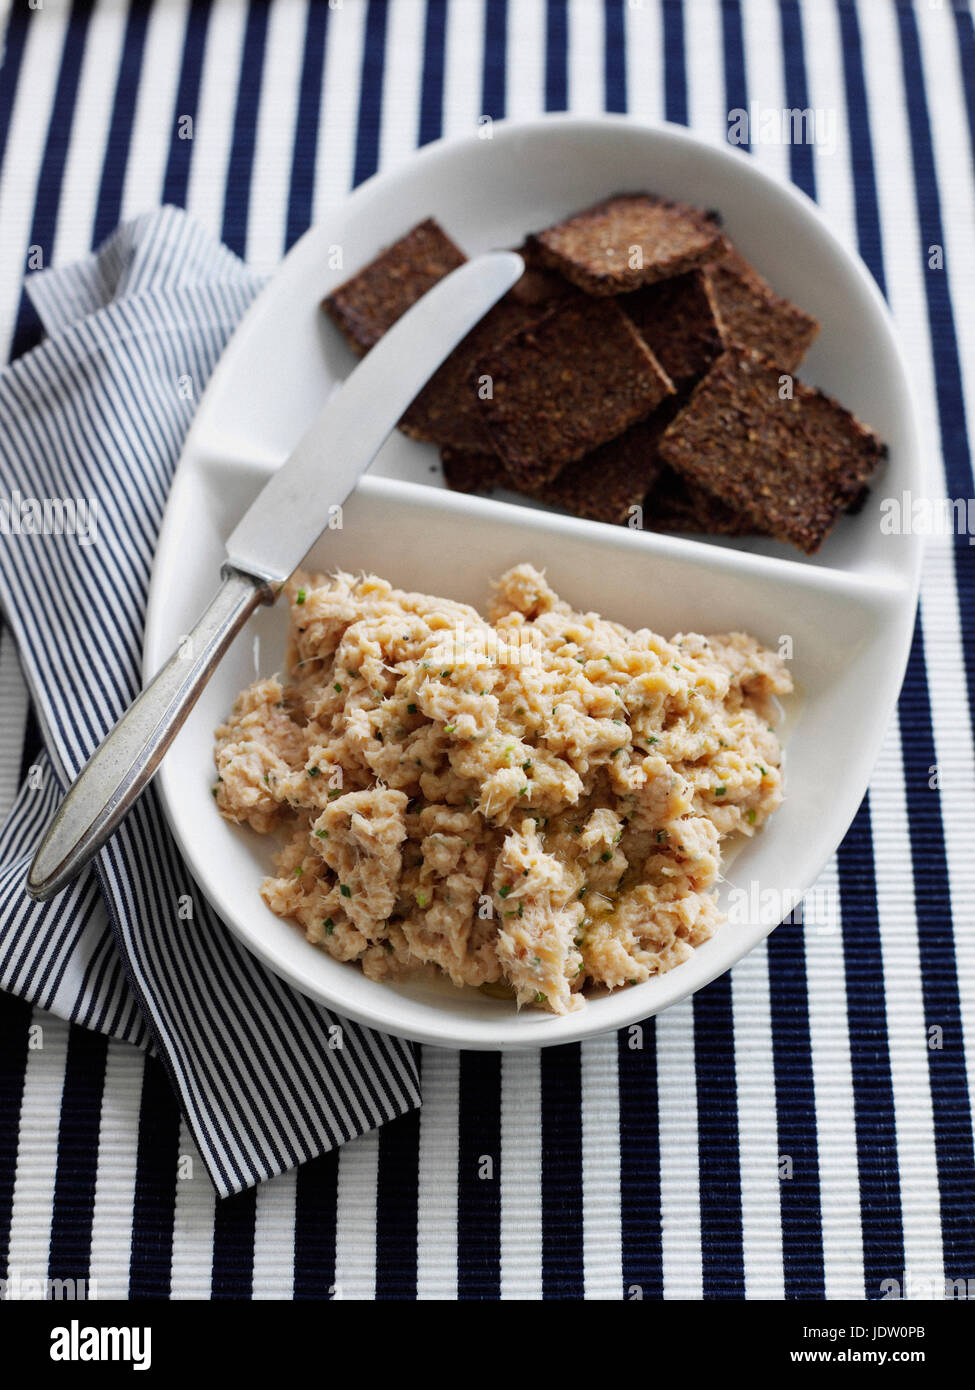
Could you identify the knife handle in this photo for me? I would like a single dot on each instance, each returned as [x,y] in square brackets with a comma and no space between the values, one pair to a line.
[120,769]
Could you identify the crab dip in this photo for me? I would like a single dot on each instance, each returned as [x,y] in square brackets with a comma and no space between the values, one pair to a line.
[535,803]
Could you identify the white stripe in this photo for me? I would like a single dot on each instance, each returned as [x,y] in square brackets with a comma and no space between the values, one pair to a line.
[22,161]
[274,1238]
[943,640]
[402,78]
[214,125]
[335,160]
[906,1021]
[155,118]
[762,41]
[37,1151]
[824,79]
[191,1270]
[271,175]
[521,1175]
[833,1088]
[758,1146]
[906,259]
[89,133]
[680,1203]
[645,60]
[586,57]
[355,1219]
[13,702]
[118,1126]
[463,66]
[436,1247]
[707,108]
[525,59]
[602,1249]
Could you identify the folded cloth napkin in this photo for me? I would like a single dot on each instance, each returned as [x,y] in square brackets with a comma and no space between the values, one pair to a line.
[91,425]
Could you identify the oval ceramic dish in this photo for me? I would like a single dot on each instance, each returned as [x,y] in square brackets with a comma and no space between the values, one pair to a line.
[849,610]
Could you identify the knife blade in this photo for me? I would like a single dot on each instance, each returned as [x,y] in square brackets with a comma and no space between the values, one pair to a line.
[267,544]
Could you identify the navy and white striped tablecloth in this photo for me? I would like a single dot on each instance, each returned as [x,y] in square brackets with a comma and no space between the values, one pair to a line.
[801,1128]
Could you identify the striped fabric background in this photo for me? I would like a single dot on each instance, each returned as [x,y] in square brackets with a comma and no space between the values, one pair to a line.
[795,1130]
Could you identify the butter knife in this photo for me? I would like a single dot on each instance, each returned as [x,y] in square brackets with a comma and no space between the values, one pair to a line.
[268,543]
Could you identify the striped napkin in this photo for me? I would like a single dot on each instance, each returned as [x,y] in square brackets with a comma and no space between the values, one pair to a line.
[91,425]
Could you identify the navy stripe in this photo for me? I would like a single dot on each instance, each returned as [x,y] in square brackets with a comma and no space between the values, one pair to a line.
[801,164]
[948,1074]
[795,1098]
[562,1252]
[675,67]
[233,1246]
[432,76]
[13,53]
[301,192]
[556,55]
[240,166]
[370,93]
[120,128]
[866,207]
[316,1191]
[719,1162]
[965,31]
[32,744]
[733,42]
[873,1097]
[800,1194]
[479,1176]
[177,176]
[614,56]
[28,329]
[397,1190]
[15,1018]
[640,1214]
[77,1161]
[494,76]
[154,1203]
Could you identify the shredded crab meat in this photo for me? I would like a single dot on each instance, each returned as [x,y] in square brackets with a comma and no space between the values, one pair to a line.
[534,803]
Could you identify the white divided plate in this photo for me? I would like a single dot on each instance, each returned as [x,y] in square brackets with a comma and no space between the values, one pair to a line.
[849,610]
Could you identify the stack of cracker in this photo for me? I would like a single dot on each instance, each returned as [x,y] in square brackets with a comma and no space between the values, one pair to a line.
[640,372]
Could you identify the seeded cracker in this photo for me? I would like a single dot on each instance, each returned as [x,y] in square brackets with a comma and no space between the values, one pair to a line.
[371,302]
[789,466]
[573,380]
[678,321]
[446,411]
[603,486]
[629,241]
[754,315]
[673,504]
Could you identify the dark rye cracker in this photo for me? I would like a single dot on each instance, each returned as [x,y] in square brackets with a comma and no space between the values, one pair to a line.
[373,299]
[678,321]
[604,486]
[569,382]
[628,241]
[752,313]
[446,411]
[538,285]
[674,504]
[789,466]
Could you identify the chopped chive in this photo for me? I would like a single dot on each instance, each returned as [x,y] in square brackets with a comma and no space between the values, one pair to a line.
[300,596]
[329,926]
[322,834]
[720,791]
[751,817]
[606,856]
[411,709]
[504,890]
[345,890]
[337,688]
[312,771]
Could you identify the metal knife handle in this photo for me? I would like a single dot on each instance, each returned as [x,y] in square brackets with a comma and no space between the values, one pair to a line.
[120,769]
